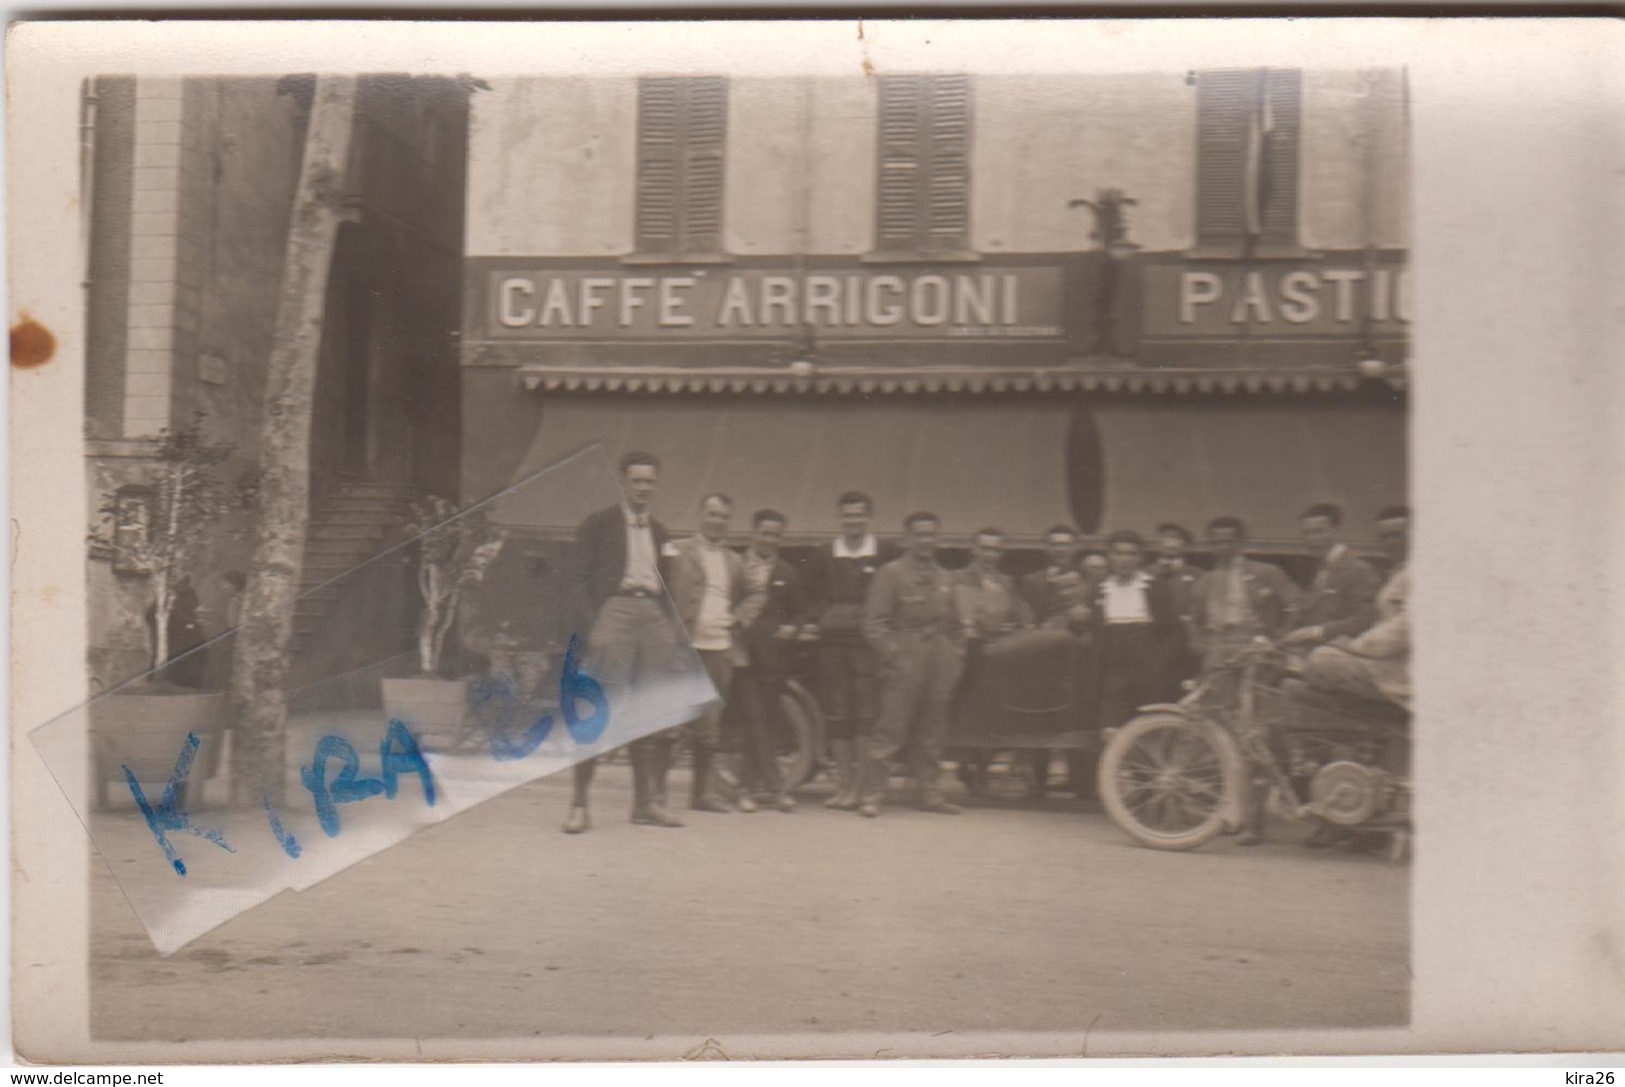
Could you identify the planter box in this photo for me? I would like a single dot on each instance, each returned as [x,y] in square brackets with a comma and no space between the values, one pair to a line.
[434,710]
[146,733]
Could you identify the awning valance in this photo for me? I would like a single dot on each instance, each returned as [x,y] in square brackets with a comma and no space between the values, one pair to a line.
[837,380]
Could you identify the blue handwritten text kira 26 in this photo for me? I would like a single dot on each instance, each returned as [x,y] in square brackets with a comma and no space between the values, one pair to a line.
[398,754]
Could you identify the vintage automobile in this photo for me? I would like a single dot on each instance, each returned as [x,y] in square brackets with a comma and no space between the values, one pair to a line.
[1180,774]
[1022,693]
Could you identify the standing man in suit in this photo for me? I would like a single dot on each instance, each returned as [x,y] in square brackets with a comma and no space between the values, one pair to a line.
[1137,631]
[1342,599]
[912,621]
[706,584]
[838,577]
[770,616]
[632,636]
[1239,599]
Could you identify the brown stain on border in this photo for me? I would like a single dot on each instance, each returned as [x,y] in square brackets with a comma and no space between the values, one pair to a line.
[868,68]
[32,344]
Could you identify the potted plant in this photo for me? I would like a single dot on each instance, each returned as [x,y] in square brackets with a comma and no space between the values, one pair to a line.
[454,549]
[161,530]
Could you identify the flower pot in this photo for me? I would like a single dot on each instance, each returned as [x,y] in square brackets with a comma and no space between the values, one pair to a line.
[434,710]
[146,732]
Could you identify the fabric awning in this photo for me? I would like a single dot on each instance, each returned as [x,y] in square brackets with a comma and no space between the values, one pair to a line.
[1261,462]
[974,464]
[1020,464]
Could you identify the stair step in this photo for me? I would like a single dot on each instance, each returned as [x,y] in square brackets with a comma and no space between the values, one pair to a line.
[375,487]
[345,531]
[338,548]
[363,502]
[351,515]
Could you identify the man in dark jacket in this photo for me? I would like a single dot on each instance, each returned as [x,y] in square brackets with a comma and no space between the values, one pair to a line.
[1175,569]
[837,578]
[770,616]
[632,634]
[1239,599]
[1061,596]
[1342,598]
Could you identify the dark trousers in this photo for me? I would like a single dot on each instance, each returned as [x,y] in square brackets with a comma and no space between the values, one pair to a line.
[1132,671]
[757,725]
[848,687]
[633,641]
[918,684]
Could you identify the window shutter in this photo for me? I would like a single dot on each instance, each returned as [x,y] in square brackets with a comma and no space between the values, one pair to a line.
[1226,102]
[902,166]
[947,210]
[1283,98]
[659,177]
[704,137]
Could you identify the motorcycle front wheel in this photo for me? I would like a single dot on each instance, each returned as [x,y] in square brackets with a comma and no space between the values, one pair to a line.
[1169,781]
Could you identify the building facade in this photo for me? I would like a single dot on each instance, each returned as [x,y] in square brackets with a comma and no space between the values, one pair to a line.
[1111,300]
[189,186]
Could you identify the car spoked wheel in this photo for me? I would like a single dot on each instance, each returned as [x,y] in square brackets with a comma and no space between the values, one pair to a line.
[1168,781]
[799,745]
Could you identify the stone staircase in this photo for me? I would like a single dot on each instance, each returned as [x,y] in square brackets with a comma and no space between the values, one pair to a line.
[351,525]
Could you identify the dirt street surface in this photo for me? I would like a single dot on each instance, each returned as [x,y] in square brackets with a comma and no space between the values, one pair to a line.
[1010,917]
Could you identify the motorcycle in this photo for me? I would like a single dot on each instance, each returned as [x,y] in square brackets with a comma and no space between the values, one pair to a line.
[1180,774]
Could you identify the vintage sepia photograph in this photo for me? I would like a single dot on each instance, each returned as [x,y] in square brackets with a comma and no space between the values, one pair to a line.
[727,558]
[1022,456]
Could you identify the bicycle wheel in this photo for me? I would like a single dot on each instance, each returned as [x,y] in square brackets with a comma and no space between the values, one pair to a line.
[799,746]
[1170,781]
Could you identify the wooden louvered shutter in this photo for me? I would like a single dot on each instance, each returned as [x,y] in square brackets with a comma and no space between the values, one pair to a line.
[1226,104]
[705,132]
[659,184]
[947,207]
[1283,98]
[902,162]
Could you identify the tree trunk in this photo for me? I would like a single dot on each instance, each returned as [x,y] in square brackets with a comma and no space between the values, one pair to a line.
[264,637]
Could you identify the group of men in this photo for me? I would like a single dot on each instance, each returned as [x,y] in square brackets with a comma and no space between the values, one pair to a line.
[891,628]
